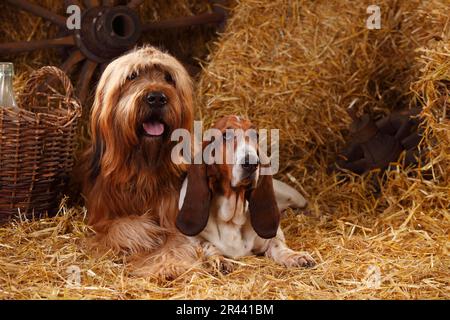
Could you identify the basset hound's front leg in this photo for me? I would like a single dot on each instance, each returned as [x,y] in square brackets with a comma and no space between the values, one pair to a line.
[214,258]
[282,254]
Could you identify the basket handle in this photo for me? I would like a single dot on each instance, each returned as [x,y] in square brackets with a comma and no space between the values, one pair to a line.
[38,77]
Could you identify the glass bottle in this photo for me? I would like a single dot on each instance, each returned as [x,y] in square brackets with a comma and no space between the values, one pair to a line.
[6,85]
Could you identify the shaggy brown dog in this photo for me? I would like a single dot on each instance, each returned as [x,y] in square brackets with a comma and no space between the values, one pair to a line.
[132,184]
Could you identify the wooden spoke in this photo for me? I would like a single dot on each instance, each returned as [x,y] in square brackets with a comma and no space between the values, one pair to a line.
[200,19]
[72,2]
[135,3]
[72,60]
[39,11]
[85,79]
[92,3]
[108,3]
[25,46]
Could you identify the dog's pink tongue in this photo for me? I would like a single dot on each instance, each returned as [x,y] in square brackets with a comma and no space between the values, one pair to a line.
[154,128]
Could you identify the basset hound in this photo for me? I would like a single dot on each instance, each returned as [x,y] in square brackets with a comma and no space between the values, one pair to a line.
[231,209]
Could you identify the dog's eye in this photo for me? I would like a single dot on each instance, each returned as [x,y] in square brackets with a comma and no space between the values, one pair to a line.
[169,79]
[132,76]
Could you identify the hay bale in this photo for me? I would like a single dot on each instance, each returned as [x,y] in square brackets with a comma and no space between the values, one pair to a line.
[432,91]
[297,66]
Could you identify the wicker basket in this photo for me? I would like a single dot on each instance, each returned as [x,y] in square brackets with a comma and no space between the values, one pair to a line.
[37,144]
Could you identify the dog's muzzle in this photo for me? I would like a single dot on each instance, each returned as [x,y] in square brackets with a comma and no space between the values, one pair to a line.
[249,167]
[154,126]
[250,164]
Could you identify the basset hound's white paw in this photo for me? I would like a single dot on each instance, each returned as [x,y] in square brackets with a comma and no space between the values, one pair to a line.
[297,259]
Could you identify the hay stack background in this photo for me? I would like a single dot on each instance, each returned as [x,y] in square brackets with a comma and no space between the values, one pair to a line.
[296,66]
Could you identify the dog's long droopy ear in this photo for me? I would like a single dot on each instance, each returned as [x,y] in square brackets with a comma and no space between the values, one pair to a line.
[264,212]
[194,213]
[97,150]
[98,142]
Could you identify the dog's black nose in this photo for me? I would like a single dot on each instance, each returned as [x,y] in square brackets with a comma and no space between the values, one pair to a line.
[250,163]
[156,99]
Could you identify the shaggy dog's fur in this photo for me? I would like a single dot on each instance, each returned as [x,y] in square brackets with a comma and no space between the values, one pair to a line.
[132,185]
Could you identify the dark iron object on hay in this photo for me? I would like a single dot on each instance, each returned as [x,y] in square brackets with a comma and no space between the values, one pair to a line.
[37,144]
[376,144]
[108,29]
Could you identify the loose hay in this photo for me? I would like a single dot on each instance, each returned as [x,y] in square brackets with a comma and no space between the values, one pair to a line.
[296,66]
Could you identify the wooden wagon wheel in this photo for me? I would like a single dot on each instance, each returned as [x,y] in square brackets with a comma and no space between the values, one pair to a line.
[108,29]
